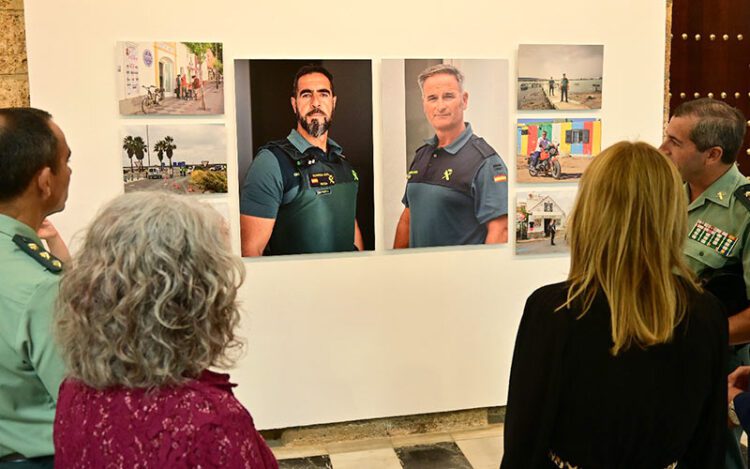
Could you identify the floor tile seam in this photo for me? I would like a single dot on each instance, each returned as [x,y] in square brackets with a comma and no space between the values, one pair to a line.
[477,437]
[339,447]
[365,450]
[426,439]
[305,453]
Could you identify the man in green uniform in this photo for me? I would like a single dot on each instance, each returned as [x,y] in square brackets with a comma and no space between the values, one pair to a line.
[300,193]
[564,89]
[703,138]
[34,178]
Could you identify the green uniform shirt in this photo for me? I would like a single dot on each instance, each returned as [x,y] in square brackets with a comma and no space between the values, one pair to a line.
[718,236]
[30,368]
[718,227]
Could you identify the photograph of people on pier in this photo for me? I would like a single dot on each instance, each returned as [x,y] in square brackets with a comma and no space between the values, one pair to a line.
[559,77]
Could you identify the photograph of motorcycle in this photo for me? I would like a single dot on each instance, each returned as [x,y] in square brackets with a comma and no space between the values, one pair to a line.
[545,163]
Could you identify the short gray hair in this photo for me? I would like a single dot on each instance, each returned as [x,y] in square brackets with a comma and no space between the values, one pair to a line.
[446,69]
[719,125]
[150,298]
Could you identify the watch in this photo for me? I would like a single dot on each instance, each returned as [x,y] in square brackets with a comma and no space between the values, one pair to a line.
[732,414]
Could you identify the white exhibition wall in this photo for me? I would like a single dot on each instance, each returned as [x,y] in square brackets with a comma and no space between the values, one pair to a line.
[342,337]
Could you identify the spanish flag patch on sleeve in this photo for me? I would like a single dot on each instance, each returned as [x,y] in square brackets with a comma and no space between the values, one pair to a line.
[500,178]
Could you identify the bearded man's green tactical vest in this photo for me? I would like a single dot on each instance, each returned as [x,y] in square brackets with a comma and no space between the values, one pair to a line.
[320,218]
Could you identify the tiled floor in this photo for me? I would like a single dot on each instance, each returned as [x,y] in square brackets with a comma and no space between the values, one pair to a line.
[475,449]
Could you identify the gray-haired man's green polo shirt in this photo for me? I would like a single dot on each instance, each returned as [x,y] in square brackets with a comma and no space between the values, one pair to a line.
[30,368]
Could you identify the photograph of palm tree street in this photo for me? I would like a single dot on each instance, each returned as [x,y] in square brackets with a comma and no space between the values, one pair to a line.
[185,159]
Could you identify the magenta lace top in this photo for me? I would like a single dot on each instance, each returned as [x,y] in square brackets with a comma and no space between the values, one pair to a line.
[198,424]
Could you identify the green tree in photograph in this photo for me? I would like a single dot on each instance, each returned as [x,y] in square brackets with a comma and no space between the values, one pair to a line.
[169,148]
[128,144]
[159,149]
[140,148]
[199,49]
[134,146]
[522,223]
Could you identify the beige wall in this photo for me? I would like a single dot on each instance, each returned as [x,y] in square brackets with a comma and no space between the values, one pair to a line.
[389,333]
[14,75]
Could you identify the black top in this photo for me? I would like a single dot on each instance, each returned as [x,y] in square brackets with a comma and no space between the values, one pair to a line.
[642,409]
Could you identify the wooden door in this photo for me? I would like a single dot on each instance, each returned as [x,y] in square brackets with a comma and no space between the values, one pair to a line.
[710,56]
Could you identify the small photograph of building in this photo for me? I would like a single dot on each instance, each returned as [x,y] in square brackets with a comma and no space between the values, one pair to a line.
[170,78]
[563,77]
[541,221]
[556,150]
[184,159]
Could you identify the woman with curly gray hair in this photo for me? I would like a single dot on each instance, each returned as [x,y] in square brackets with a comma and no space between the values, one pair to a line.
[148,305]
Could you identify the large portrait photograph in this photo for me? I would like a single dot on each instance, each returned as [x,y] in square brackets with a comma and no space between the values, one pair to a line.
[170,78]
[563,77]
[304,149]
[445,174]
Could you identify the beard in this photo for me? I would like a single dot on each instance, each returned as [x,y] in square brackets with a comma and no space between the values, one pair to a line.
[317,126]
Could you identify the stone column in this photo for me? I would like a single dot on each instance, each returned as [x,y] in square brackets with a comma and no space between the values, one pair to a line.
[14,73]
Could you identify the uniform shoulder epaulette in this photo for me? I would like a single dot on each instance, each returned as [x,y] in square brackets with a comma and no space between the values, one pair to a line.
[38,253]
[483,147]
[743,195]
[283,144]
[422,146]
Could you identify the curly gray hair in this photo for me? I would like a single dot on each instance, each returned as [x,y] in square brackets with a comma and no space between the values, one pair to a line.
[150,299]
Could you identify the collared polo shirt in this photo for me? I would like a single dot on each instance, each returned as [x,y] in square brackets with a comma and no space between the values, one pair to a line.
[453,191]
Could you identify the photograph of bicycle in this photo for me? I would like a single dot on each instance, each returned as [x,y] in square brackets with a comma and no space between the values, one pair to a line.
[170,78]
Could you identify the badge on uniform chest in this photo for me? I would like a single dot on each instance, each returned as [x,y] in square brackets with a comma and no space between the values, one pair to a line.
[322,179]
[713,237]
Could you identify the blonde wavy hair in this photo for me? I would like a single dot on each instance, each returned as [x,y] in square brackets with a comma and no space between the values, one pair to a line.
[626,233]
[150,299]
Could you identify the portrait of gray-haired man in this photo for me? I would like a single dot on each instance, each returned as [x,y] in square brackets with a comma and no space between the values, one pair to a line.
[457,185]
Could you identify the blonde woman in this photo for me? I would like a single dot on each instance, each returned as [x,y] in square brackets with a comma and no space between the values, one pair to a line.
[622,365]
[146,308]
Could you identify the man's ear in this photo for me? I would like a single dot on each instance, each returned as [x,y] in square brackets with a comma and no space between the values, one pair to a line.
[715,154]
[465,99]
[44,182]
[293,100]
